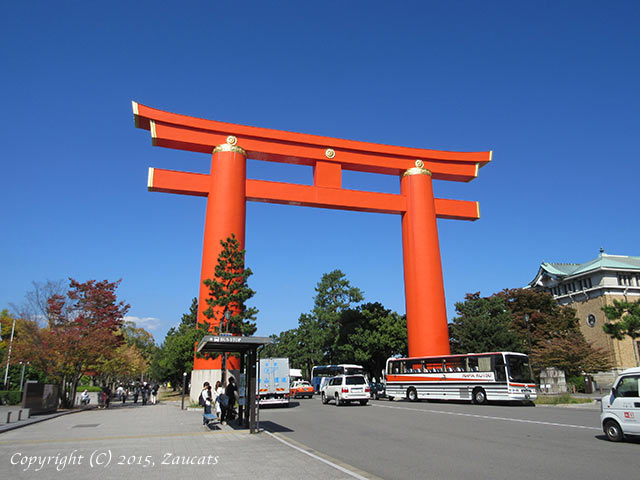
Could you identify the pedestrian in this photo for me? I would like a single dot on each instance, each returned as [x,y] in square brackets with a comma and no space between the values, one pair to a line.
[124,395]
[205,401]
[136,392]
[154,393]
[84,398]
[228,412]
[217,392]
[106,395]
[145,393]
[119,392]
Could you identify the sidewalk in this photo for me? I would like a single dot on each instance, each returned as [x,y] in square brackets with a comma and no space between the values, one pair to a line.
[20,417]
[157,442]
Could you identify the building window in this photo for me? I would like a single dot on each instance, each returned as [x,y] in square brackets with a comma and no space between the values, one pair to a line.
[624,280]
[591,320]
[588,282]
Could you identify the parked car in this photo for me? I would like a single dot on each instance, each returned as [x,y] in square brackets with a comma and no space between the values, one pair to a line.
[345,389]
[377,390]
[620,410]
[301,389]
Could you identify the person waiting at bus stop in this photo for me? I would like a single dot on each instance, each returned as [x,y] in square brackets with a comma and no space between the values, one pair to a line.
[228,401]
[205,400]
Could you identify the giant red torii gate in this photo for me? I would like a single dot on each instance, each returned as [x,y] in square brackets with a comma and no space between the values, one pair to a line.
[227,189]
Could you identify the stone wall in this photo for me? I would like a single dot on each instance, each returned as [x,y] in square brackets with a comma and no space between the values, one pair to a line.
[552,381]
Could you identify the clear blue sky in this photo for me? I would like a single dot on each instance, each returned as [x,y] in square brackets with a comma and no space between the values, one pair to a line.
[551,87]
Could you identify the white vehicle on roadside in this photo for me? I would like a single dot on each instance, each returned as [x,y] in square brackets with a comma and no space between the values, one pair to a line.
[345,389]
[620,410]
[274,381]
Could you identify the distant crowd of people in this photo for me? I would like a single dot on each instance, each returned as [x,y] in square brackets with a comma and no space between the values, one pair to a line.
[144,391]
[220,400]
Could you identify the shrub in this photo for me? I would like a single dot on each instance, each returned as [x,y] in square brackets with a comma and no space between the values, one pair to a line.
[88,388]
[578,382]
[12,397]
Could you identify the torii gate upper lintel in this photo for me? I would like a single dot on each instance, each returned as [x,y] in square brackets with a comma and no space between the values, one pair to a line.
[227,189]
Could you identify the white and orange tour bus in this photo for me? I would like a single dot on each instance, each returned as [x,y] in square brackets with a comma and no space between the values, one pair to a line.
[478,377]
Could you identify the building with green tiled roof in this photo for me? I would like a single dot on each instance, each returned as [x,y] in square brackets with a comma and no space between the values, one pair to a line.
[588,287]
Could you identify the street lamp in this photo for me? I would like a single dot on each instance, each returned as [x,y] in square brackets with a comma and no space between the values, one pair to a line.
[184,386]
[24,364]
[6,372]
[227,317]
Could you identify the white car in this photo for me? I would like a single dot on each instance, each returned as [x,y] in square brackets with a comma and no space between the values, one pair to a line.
[620,411]
[346,388]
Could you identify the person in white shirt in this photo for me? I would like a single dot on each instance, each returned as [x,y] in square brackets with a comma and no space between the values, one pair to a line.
[205,400]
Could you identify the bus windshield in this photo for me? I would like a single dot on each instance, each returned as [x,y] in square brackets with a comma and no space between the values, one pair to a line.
[518,368]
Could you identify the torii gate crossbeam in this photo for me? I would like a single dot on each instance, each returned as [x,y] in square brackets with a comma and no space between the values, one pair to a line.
[227,190]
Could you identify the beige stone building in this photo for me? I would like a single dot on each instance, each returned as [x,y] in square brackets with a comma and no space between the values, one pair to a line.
[589,286]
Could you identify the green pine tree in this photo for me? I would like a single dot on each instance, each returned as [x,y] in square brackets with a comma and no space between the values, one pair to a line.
[229,290]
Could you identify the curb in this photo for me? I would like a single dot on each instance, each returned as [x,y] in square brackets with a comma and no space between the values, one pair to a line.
[31,420]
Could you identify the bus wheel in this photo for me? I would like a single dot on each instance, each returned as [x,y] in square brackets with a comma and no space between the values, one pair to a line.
[412,395]
[479,396]
[613,430]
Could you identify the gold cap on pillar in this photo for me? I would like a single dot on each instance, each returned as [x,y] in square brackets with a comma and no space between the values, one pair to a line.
[230,146]
[417,170]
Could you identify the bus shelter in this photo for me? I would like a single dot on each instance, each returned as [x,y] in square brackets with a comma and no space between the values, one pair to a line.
[247,348]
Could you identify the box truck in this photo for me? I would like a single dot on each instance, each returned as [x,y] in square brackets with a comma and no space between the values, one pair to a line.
[273,387]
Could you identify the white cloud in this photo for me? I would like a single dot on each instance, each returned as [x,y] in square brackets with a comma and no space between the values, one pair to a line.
[148,323]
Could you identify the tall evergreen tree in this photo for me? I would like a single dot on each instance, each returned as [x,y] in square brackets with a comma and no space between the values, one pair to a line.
[229,291]
[369,334]
[483,325]
[334,294]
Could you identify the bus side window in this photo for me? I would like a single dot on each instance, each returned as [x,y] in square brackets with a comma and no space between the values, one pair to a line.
[484,364]
[472,364]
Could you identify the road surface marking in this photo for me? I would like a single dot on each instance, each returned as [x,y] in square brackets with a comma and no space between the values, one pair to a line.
[487,417]
[317,457]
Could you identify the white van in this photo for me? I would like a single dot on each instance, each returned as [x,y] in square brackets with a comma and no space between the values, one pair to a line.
[620,411]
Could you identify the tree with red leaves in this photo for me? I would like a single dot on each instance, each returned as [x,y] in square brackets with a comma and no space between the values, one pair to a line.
[83,332]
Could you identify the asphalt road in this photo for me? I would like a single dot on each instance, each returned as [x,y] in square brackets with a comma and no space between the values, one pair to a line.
[403,440]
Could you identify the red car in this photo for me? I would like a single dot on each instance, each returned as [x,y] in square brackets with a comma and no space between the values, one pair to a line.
[301,389]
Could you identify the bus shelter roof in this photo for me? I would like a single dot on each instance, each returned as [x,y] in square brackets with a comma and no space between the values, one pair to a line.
[230,343]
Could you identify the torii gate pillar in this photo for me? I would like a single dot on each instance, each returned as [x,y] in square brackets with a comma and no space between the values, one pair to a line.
[226,214]
[423,283]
